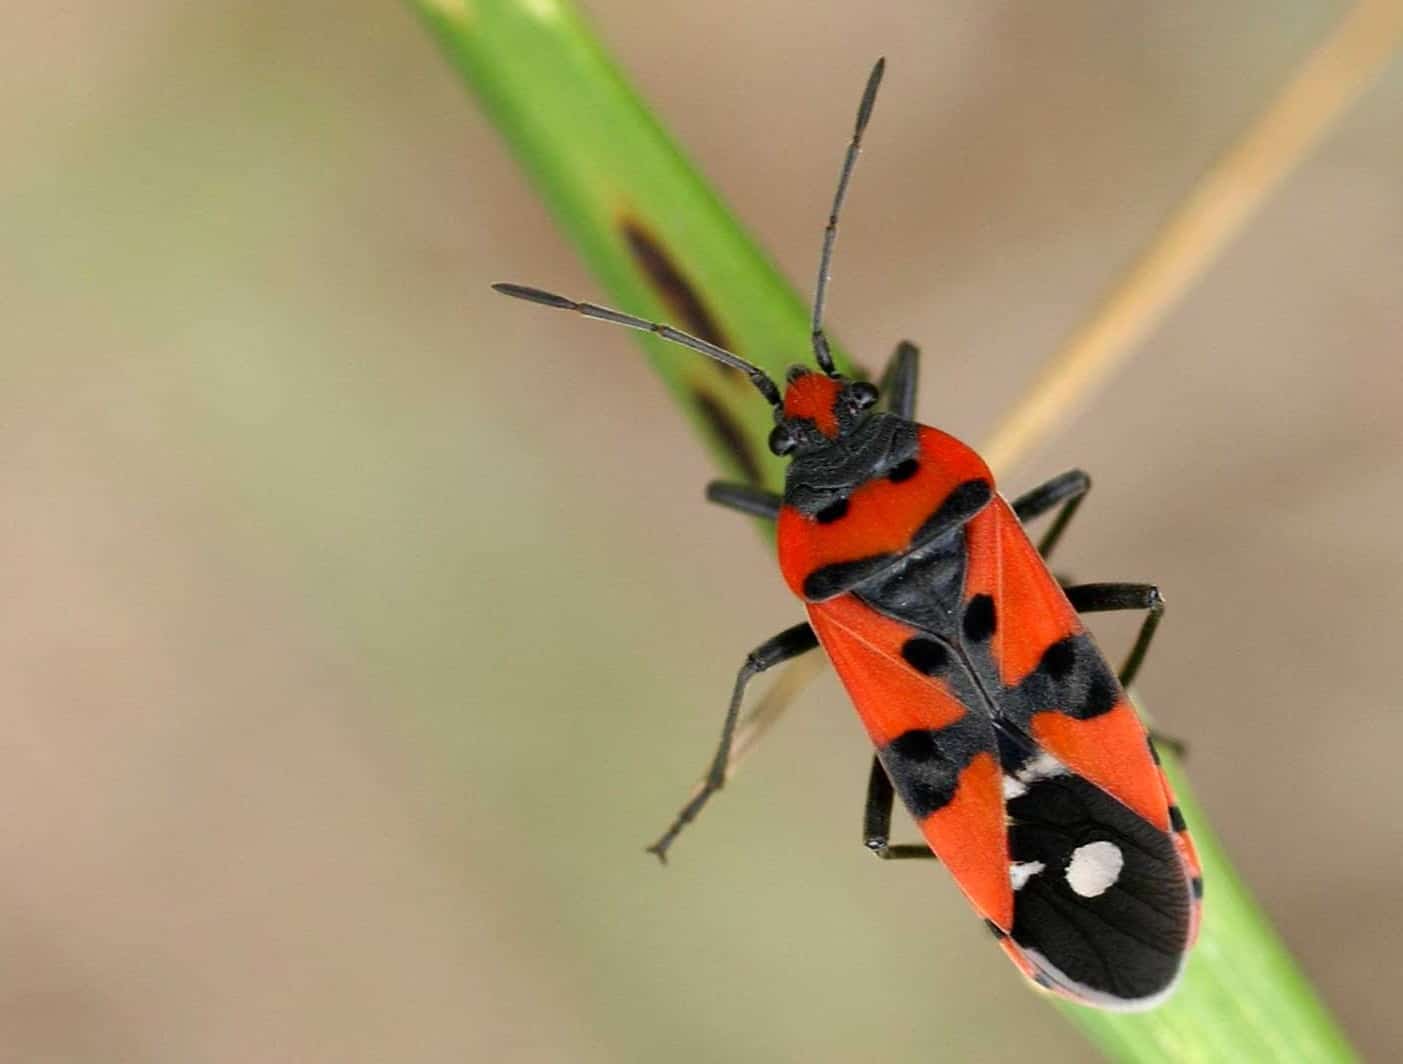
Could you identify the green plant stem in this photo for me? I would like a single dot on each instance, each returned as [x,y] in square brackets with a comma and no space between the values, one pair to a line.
[603,164]
[1242,997]
[610,174]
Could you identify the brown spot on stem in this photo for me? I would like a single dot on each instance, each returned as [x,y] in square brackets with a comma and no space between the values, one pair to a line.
[683,302]
[729,435]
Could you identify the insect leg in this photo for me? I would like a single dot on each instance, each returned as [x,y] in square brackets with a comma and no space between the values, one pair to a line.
[876,819]
[752,501]
[1175,746]
[1093,598]
[1101,598]
[1068,490]
[790,643]
[899,380]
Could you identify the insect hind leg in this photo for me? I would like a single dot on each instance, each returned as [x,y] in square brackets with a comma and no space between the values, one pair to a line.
[1102,598]
[876,820]
[790,643]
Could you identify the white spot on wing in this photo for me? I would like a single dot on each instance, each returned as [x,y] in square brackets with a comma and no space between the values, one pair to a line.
[1041,767]
[1019,872]
[1094,868]
[1013,788]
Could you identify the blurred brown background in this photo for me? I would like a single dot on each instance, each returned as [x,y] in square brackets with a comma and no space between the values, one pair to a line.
[359,627]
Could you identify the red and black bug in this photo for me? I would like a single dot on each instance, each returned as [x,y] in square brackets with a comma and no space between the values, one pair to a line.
[995,717]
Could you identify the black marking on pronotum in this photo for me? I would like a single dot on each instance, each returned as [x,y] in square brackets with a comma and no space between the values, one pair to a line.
[1197,887]
[926,656]
[964,501]
[728,434]
[684,304]
[834,579]
[979,620]
[835,510]
[819,472]
[903,470]
[1176,819]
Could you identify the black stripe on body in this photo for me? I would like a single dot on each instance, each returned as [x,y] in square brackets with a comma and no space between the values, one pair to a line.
[930,657]
[934,536]
[956,509]
[832,580]
[925,764]
[1072,677]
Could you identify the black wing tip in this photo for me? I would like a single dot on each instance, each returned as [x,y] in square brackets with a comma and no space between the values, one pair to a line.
[1051,979]
[1111,934]
[534,295]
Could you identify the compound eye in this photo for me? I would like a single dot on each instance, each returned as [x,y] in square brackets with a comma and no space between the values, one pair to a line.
[861,395]
[781,440]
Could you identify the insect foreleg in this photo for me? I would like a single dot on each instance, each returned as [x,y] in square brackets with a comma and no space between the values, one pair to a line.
[754,502]
[899,380]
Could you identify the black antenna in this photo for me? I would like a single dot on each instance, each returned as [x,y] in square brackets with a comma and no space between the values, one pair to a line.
[864,111]
[667,332]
